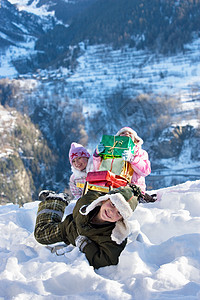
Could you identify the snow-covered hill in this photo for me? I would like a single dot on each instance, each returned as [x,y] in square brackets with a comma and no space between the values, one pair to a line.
[163,264]
[156,95]
[34,7]
[19,30]
[103,90]
[102,70]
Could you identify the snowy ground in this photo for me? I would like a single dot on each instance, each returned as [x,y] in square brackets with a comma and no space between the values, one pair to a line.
[165,265]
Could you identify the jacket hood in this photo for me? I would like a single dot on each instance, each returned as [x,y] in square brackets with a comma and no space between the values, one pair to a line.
[134,135]
[123,227]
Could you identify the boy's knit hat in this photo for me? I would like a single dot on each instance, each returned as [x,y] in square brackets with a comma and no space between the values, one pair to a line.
[133,134]
[125,200]
[77,150]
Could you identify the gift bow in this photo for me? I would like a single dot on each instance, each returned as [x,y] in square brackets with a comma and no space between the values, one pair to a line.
[111,148]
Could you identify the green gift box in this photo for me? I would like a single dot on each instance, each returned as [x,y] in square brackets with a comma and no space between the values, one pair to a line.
[117,166]
[114,146]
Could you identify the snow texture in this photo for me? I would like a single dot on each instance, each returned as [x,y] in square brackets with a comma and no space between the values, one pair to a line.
[162,263]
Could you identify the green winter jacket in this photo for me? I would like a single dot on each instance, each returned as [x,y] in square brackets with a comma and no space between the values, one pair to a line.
[102,251]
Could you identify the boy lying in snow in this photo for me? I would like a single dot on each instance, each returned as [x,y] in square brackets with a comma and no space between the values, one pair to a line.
[99,224]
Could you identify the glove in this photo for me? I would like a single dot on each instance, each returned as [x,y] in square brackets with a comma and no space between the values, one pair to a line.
[51,195]
[136,191]
[81,241]
[127,155]
[100,148]
[150,198]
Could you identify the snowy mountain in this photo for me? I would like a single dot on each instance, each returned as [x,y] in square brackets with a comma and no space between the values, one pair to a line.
[19,31]
[163,264]
[125,91]
[92,90]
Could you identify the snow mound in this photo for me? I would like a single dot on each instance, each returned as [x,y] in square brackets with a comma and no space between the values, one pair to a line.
[162,263]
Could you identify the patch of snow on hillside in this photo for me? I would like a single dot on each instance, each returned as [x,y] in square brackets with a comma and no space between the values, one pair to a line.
[32,8]
[7,124]
[7,68]
[7,117]
[101,71]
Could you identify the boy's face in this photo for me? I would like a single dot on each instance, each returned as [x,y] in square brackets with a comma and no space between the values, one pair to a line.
[108,212]
[80,163]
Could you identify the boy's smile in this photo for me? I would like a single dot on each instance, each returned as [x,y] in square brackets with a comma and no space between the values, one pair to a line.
[108,212]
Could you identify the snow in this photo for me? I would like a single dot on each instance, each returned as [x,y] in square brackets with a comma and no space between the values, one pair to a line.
[163,263]
[102,71]
[7,68]
[142,68]
[32,8]
[6,117]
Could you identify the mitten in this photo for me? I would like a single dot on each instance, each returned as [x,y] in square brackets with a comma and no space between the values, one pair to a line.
[81,241]
[150,198]
[100,148]
[136,191]
[51,195]
[127,155]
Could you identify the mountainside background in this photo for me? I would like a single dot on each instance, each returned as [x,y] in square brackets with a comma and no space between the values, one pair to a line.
[74,70]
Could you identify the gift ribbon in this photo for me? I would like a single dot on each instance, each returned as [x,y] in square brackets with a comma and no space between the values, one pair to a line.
[111,148]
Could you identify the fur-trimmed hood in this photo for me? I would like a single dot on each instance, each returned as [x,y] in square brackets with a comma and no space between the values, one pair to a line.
[134,135]
[125,203]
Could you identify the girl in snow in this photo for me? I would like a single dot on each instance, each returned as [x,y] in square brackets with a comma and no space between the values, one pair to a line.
[98,226]
[80,161]
[139,161]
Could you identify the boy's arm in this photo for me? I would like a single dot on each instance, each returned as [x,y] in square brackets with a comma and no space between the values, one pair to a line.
[104,254]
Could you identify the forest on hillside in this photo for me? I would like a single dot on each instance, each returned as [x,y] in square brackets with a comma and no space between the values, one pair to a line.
[163,26]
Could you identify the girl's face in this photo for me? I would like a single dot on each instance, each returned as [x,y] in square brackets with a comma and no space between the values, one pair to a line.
[108,212]
[80,163]
[126,133]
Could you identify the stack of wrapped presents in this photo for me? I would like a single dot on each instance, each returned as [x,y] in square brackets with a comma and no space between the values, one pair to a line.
[114,171]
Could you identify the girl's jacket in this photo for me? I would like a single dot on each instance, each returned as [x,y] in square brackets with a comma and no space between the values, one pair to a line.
[79,177]
[140,164]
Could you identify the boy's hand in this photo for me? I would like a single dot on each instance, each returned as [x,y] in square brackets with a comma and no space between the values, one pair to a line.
[81,241]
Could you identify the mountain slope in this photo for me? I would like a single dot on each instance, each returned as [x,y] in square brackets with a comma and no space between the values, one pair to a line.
[95,90]
[26,162]
[164,26]
[18,32]
[16,26]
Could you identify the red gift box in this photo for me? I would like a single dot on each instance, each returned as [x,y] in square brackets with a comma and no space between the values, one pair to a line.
[105,178]
[100,176]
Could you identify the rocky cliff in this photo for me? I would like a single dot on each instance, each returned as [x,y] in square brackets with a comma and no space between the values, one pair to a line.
[26,162]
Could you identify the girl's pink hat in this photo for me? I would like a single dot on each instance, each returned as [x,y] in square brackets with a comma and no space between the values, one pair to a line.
[133,134]
[77,150]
